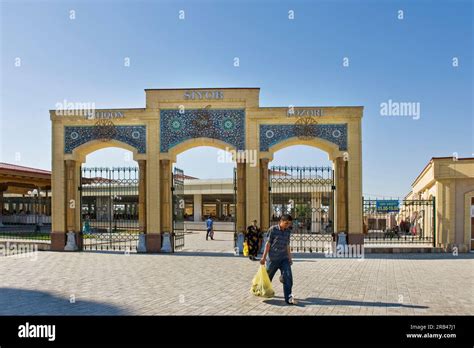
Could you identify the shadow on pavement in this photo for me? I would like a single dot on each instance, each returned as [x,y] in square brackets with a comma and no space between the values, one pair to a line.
[32,302]
[315,301]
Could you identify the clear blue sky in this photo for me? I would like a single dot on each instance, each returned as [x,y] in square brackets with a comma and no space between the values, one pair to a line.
[296,62]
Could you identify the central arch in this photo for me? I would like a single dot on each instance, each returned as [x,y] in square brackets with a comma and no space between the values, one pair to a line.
[196,142]
[169,158]
[199,193]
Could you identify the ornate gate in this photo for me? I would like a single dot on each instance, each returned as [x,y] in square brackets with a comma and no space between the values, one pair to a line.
[109,208]
[177,191]
[307,194]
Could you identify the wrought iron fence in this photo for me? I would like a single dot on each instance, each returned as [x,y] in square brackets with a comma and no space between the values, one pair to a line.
[399,221]
[21,232]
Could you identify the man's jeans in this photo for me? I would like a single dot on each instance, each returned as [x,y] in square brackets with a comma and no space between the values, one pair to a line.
[284,266]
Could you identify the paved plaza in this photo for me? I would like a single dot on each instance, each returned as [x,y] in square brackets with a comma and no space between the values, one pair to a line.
[211,280]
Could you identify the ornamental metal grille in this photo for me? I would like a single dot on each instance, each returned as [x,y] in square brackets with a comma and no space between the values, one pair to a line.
[177,190]
[393,221]
[109,208]
[307,194]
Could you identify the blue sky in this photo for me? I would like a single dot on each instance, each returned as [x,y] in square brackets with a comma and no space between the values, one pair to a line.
[294,62]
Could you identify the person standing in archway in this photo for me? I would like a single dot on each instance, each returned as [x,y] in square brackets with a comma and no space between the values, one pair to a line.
[278,251]
[210,228]
[252,237]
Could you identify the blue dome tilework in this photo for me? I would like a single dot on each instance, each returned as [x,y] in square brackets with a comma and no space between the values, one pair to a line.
[271,134]
[75,136]
[227,125]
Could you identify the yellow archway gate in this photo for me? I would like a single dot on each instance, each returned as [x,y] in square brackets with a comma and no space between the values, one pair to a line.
[175,120]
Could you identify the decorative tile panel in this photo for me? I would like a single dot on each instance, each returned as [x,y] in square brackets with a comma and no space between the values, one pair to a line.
[227,125]
[271,134]
[75,136]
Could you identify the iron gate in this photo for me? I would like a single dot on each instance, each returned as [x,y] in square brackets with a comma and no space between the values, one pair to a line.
[307,194]
[177,191]
[406,221]
[109,208]
[234,200]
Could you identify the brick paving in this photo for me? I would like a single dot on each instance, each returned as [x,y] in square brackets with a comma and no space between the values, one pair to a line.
[215,281]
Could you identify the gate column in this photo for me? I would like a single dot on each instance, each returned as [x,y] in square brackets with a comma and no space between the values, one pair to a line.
[341,194]
[59,203]
[354,184]
[152,195]
[241,197]
[73,209]
[154,241]
[264,195]
[197,207]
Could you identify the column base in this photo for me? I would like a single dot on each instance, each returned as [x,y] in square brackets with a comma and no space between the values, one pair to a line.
[240,243]
[71,241]
[166,247]
[58,241]
[153,242]
[141,247]
[355,238]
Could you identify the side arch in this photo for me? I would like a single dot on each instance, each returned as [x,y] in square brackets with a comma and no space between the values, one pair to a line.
[330,148]
[79,153]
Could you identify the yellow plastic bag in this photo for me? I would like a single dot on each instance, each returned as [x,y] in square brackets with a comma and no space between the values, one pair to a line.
[246,249]
[261,284]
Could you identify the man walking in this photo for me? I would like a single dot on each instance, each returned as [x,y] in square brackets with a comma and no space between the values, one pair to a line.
[278,251]
[209,226]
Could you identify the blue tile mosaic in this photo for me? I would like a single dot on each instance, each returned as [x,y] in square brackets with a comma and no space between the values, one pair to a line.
[75,136]
[227,125]
[271,134]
